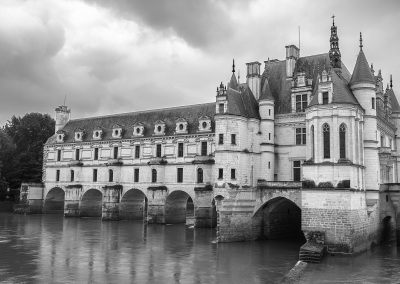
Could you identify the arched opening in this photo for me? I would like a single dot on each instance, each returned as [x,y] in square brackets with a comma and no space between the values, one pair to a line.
[179,208]
[133,205]
[91,203]
[387,230]
[279,218]
[54,202]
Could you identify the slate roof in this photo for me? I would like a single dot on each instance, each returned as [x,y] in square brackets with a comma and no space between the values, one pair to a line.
[395,102]
[362,73]
[242,102]
[147,118]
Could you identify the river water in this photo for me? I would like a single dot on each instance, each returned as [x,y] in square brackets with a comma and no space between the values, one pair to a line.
[54,249]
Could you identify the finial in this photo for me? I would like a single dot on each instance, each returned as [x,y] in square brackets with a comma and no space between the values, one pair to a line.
[233,66]
[391,82]
[333,20]
[361,45]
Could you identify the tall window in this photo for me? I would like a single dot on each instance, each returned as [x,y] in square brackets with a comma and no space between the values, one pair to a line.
[233,139]
[220,173]
[115,152]
[312,142]
[296,170]
[233,173]
[221,139]
[300,136]
[77,154]
[373,103]
[58,175]
[301,103]
[137,152]
[110,175]
[199,175]
[179,175]
[382,141]
[158,151]
[58,155]
[153,175]
[94,174]
[327,144]
[221,108]
[325,98]
[342,140]
[96,153]
[204,148]
[72,175]
[180,149]
[136,175]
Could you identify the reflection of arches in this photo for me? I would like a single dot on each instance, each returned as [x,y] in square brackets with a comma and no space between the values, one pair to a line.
[278,218]
[54,202]
[91,203]
[177,205]
[133,205]
[387,230]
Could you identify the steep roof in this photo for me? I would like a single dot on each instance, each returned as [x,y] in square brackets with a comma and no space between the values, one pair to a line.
[395,102]
[266,93]
[242,102]
[147,118]
[362,72]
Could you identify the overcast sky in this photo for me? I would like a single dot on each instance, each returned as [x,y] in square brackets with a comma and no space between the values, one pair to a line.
[126,55]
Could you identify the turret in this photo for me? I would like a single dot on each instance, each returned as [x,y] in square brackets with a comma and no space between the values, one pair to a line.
[292,55]
[253,78]
[62,117]
[334,53]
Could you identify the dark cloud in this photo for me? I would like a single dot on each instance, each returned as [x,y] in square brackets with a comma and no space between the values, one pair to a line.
[198,22]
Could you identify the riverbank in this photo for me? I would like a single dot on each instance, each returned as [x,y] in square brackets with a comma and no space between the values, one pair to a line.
[6,206]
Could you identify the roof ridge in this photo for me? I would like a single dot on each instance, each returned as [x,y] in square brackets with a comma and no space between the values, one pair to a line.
[139,111]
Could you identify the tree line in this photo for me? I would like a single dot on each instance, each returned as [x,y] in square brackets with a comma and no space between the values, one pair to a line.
[21,151]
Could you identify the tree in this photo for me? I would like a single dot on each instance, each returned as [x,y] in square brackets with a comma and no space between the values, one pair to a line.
[24,158]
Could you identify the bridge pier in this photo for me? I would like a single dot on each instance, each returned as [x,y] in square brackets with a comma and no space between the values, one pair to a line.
[110,208]
[156,204]
[204,211]
[71,202]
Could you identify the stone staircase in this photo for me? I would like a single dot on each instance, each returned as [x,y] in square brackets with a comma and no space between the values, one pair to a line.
[311,253]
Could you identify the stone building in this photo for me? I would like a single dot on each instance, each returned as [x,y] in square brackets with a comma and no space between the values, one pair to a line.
[304,135]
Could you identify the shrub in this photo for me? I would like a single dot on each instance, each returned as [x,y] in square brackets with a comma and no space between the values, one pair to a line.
[308,184]
[325,184]
[344,184]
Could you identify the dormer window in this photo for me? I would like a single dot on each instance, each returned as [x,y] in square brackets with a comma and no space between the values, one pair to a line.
[97,133]
[181,126]
[325,98]
[138,129]
[204,124]
[221,108]
[117,131]
[79,134]
[301,102]
[61,136]
[159,128]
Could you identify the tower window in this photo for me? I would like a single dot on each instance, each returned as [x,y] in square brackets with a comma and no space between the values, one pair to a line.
[94,174]
[221,108]
[296,170]
[312,142]
[327,145]
[58,155]
[204,148]
[220,173]
[153,175]
[72,175]
[96,153]
[301,136]
[136,175]
[137,152]
[233,139]
[233,173]
[199,175]
[115,152]
[373,103]
[180,149]
[221,139]
[342,141]
[58,175]
[179,174]
[301,103]
[325,98]
[110,175]
[158,151]
[77,154]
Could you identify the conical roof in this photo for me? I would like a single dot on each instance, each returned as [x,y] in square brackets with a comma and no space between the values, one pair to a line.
[266,93]
[233,84]
[362,73]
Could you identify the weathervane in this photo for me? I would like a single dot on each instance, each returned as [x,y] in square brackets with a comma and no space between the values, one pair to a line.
[333,17]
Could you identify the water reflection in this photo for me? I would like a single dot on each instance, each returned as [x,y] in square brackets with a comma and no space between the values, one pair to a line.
[54,249]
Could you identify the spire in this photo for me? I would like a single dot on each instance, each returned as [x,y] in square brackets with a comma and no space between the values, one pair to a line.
[391,82]
[233,84]
[233,66]
[362,72]
[334,53]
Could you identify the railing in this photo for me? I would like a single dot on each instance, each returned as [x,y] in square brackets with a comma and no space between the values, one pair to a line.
[385,150]
[279,184]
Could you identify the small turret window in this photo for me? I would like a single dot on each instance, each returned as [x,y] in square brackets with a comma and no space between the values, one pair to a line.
[373,103]
[325,98]
[159,128]
[221,108]
[204,124]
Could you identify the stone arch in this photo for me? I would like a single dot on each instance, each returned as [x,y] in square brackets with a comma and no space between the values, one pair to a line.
[133,205]
[177,206]
[54,201]
[91,203]
[387,231]
[278,218]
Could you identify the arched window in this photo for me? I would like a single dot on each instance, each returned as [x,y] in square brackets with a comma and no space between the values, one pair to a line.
[153,175]
[327,142]
[342,140]
[199,175]
[110,175]
[312,142]
[72,175]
